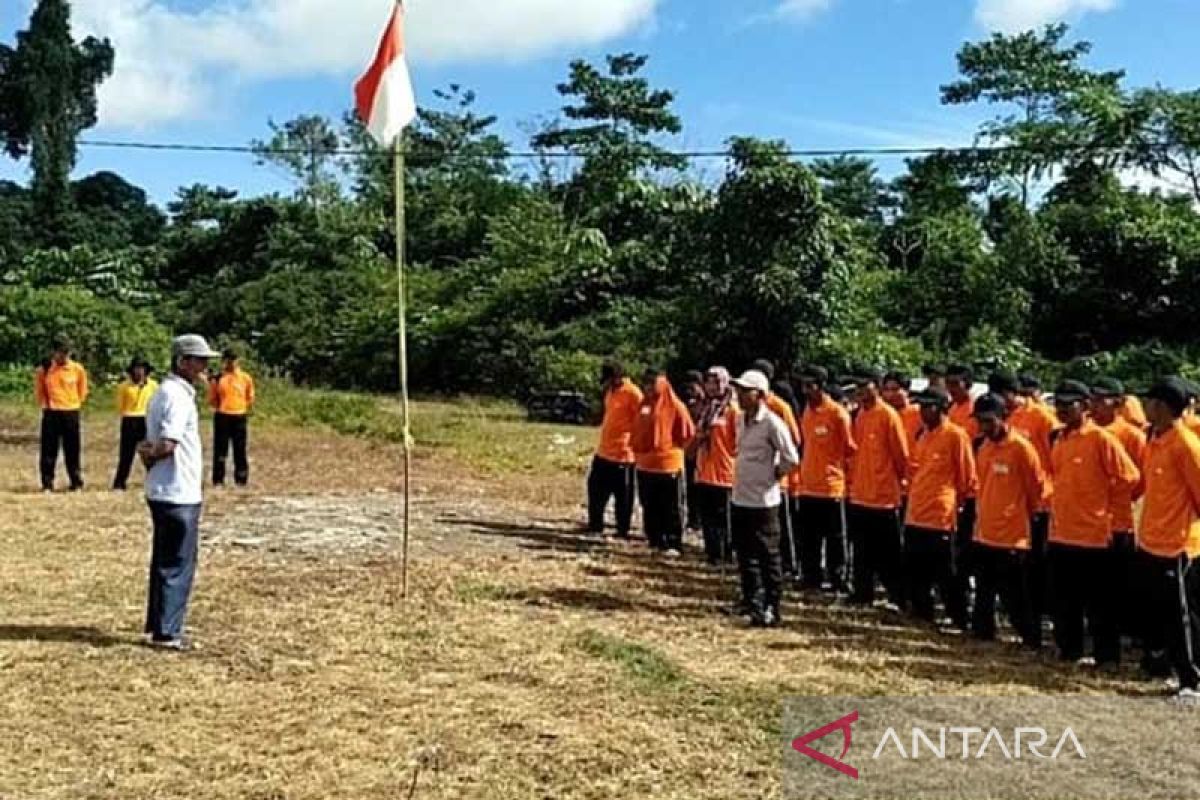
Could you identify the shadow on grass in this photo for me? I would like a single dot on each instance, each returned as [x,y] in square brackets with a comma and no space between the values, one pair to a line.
[68,634]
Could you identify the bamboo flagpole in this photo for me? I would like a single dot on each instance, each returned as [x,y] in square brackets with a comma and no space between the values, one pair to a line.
[385,101]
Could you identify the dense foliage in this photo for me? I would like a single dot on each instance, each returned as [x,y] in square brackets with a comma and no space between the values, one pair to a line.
[525,273]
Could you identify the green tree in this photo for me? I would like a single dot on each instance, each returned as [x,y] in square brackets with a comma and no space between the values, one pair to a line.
[306,148]
[1171,142]
[49,88]
[853,187]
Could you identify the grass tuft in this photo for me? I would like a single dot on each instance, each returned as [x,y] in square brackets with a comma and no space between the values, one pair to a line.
[646,666]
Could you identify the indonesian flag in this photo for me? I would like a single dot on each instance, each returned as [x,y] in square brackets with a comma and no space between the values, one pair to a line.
[384,95]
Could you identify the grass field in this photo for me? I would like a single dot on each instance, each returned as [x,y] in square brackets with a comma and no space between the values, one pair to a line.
[529,662]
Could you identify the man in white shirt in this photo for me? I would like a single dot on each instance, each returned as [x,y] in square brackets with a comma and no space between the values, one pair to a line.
[174,469]
[766,453]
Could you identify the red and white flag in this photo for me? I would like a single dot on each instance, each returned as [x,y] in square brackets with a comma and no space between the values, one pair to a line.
[384,95]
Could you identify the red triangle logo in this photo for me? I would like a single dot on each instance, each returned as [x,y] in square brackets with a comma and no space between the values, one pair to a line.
[801,744]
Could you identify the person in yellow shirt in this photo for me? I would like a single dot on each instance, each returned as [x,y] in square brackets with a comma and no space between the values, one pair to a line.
[231,395]
[60,386]
[133,396]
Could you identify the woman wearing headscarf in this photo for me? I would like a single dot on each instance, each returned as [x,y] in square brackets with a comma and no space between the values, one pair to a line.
[662,431]
[715,446]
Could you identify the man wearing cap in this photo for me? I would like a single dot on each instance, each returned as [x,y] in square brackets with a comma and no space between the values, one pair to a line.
[1011,487]
[175,469]
[1031,388]
[781,408]
[828,447]
[896,386]
[942,475]
[765,454]
[612,472]
[133,397]
[231,396]
[60,386]
[877,475]
[1169,537]
[1091,472]
[1107,400]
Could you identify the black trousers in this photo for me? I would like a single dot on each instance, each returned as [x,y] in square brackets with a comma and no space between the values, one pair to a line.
[713,502]
[964,548]
[60,429]
[929,562]
[1125,584]
[1004,574]
[1041,576]
[133,432]
[610,480]
[822,533]
[789,535]
[878,552]
[1083,580]
[230,429]
[662,509]
[691,503]
[1171,590]
[756,542]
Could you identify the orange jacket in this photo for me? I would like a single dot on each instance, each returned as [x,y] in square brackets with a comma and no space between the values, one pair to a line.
[663,428]
[880,466]
[232,393]
[1133,441]
[61,388]
[1011,488]
[1089,466]
[1037,422]
[717,455]
[828,446]
[1171,513]
[910,417]
[942,476]
[1132,412]
[620,413]
[1192,422]
[780,408]
[963,415]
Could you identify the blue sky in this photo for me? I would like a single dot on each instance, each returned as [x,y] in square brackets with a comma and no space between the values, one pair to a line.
[817,73]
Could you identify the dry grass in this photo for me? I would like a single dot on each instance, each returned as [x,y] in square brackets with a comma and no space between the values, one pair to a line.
[528,663]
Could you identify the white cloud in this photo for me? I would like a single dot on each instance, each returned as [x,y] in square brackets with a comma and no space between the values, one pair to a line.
[1014,16]
[173,64]
[802,9]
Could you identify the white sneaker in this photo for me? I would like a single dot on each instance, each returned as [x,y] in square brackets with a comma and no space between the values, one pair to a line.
[1188,697]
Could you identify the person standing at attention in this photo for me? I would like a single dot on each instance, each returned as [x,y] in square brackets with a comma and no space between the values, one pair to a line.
[174,461]
[765,454]
[231,395]
[611,475]
[716,453]
[662,431]
[133,396]
[60,386]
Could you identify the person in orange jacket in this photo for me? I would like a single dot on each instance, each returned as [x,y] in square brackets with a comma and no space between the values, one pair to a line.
[612,474]
[715,448]
[662,431]
[231,395]
[1011,489]
[1090,470]
[1169,538]
[896,386]
[60,386]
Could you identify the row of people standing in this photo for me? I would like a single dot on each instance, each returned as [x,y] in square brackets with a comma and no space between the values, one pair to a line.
[61,389]
[948,493]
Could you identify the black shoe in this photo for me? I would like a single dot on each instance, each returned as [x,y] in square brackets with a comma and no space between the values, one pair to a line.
[765,618]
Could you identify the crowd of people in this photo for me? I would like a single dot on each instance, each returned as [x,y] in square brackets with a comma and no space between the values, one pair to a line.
[159,423]
[1083,511]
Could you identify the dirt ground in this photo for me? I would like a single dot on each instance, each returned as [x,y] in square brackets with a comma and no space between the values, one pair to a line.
[528,662]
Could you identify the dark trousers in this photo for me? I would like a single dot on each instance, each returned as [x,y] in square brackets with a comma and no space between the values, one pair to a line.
[1004,574]
[964,549]
[662,512]
[691,502]
[1041,577]
[1083,588]
[60,429]
[877,552]
[609,479]
[789,535]
[1171,592]
[230,429]
[929,562]
[756,542]
[172,568]
[1125,584]
[133,432]
[822,531]
[714,521]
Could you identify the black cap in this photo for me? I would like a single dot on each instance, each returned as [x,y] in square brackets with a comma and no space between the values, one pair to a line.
[1071,392]
[1108,387]
[1171,390]
[815,374]
[934,370]
[1029,382]
[868,375]
[895,376]
[961,371]
[1002,382]
[991,404]
[933,397]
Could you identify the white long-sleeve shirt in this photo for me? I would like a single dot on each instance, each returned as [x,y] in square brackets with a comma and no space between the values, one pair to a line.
[765,449]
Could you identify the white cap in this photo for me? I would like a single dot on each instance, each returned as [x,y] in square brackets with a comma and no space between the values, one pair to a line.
[753,379]
[192,346]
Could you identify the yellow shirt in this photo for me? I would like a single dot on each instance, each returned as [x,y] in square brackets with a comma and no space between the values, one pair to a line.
[133,399]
